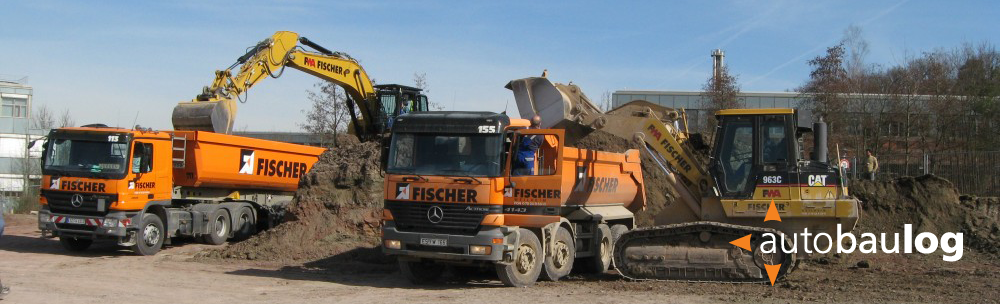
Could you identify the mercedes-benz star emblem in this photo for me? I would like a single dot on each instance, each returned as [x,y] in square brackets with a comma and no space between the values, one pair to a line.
[435,214]
[77,200]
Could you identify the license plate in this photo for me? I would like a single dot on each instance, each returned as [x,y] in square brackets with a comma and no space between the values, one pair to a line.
[434,242]
[78,221]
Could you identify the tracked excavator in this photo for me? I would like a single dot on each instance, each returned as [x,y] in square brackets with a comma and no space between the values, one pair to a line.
[755,159]
[215,108]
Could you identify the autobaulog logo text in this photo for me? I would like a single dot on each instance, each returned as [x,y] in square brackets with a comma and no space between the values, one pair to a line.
[926,242]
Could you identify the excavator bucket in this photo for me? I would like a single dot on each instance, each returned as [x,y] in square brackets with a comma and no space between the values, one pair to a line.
[213,116]
[559,105]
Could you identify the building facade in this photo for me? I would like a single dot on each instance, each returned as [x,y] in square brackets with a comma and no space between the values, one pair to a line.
[19,160]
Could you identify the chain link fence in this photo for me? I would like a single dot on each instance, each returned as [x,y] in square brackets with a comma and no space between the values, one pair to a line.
[973,172]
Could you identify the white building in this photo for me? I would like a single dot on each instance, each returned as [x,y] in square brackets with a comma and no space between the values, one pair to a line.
[19,165]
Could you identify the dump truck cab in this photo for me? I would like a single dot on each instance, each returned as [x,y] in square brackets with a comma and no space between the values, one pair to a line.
[481,189]
[95,179]
[142,187]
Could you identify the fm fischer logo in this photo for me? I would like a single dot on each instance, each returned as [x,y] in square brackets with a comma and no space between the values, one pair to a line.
[82,186]
[926,242]
[404,191]
[250,164]
[246,161]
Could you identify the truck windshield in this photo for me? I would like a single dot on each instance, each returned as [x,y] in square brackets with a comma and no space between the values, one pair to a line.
[86,158]
[445,154]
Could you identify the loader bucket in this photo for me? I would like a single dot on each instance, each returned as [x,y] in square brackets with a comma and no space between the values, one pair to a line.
[213,116]
[560,106]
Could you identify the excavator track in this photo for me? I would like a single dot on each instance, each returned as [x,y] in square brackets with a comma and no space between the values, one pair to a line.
[697,252]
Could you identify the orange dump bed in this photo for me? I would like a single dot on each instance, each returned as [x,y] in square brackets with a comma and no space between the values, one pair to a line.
[234,162]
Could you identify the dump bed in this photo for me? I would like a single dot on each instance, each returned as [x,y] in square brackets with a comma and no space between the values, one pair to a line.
[598,178]
[213,160]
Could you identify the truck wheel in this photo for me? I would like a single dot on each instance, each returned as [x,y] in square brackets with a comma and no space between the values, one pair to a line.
[559,262]
[527,264]
[218,228]
[601,261]
[616,233]
[149,237]
[246,225]
[75,244]
[421,272]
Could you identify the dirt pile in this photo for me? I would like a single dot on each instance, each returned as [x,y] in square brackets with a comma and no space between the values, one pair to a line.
[930,204]
[658,194]
[336,211]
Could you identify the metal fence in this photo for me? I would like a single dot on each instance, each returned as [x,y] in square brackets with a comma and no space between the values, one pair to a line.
[973,172]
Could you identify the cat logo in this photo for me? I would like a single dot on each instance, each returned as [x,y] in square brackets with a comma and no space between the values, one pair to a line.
[403,191]
[246,161]
[817,180]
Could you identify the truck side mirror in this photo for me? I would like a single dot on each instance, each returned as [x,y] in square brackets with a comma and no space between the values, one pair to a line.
[136,163]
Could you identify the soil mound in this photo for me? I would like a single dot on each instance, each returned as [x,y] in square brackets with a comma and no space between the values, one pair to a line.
[336,211]
[932,204]
[658,194]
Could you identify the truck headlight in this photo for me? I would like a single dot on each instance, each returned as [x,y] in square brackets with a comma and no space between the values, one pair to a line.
[480,250]
[110,223]
[393,244]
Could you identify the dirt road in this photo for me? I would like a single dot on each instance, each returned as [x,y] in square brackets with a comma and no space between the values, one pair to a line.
[40,271]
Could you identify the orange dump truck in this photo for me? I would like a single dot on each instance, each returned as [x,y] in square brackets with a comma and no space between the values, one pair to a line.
[143,187]
[479,189]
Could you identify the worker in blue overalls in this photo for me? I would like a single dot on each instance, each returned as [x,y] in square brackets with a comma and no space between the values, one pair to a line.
[524,162]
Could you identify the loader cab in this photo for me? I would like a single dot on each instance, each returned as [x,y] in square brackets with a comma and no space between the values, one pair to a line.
[754,146]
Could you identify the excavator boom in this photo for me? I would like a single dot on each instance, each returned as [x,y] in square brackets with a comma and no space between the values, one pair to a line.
[215,108]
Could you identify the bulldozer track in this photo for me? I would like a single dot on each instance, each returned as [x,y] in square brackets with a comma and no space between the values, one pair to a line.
[739,264]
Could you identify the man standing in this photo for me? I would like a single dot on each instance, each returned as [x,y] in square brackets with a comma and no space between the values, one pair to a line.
[872,164]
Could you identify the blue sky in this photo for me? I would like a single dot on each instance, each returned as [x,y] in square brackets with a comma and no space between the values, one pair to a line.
[118,61]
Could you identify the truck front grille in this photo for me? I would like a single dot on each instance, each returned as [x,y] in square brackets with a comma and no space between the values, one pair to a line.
[93,204]
[461,219]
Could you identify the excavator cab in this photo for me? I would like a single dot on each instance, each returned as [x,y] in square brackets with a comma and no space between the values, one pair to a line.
[399,99]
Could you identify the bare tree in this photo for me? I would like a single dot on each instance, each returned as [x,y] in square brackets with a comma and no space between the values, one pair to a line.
[606,102]
[43,118]
[328,115]
[420,82]
[66,120]
[720,92]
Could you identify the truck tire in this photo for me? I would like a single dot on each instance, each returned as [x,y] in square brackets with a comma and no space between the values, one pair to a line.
[527,264]
[75,244]
[218,228]
[616,233]
[601,261]
[559,262]
[421,272]
[149,237]
[246,225]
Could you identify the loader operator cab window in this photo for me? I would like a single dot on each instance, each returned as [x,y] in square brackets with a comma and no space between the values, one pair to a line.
[775,139]
[736,154]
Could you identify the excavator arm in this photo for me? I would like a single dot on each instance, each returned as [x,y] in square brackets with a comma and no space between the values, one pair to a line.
[215,108]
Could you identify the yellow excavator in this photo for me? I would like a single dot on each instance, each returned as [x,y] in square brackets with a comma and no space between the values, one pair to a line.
[756,159]
[215,108]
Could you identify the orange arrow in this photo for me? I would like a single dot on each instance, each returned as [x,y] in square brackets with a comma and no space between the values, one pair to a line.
[772,272]
[772,213]
[743,242]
